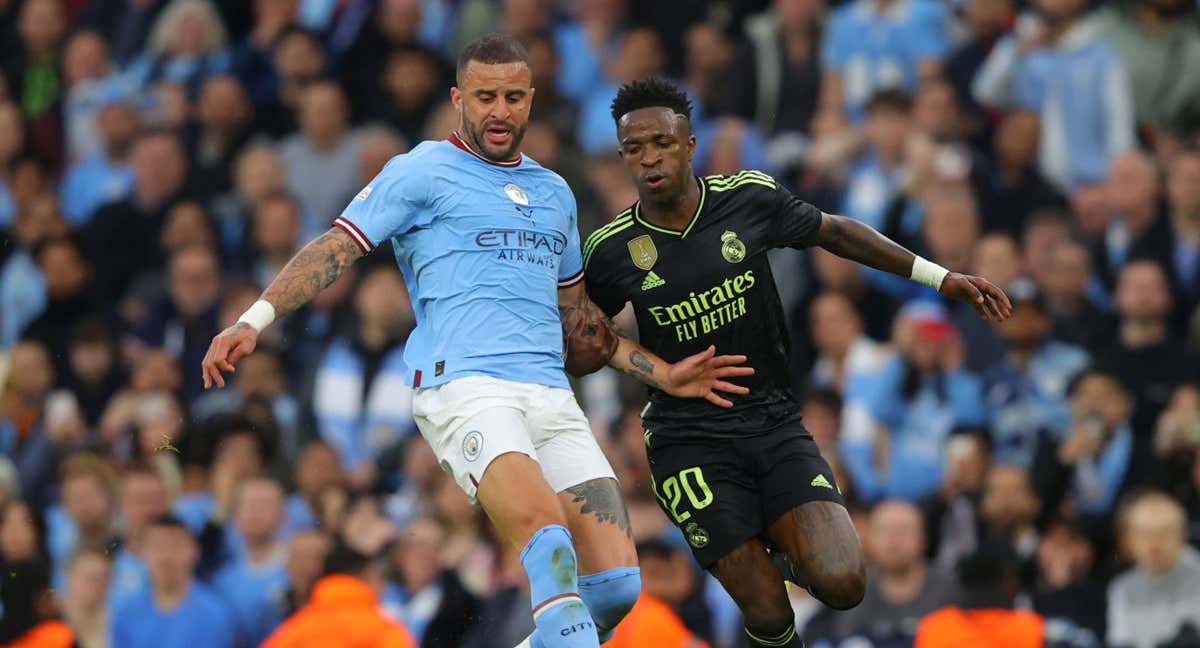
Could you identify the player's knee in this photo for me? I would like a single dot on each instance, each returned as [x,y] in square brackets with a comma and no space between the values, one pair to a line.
[768,614]
[842,584]
[610,595]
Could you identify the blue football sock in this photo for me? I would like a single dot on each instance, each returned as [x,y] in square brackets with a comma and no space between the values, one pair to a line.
[609,596]
[560,616]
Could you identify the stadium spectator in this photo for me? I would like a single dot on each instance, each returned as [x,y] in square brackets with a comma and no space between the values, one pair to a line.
[914,402]
[874,45]
[1008,512]
[1026,390]
[257,173]
[84,603]
[1077,84]
[1096,459]
[68,298]
[104,175]
[640,55]
[87,518]
[1157,40]
[361,404]
[317,469]
[1011,188]
[343,608]
[95,374]
[412,87]
[276,233]
[30,615]
[223,116]
[378,144]
[91,83]
[1065,588]
[875,179]
[781,95]
[1135,221]
[953,520]
[251,581]
[986,22]
[175,610]
[297,59]
[187,44]
[143,499]
[1157,601]
[184,322]
[1183,237]
[321,160]
[1145,354]
[844,350]
[417,577]
[1076,318]
[34,74]
[306,553]
[122,237]
[904,587]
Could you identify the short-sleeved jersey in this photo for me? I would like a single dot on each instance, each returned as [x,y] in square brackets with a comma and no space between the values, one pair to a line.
[710,283]
[483,248]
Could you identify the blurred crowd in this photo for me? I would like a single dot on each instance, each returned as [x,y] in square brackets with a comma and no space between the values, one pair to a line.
[161,160]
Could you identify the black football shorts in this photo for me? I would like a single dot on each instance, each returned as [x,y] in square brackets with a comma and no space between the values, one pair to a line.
[721,492]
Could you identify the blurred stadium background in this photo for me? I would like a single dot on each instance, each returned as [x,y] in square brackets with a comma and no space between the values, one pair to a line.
[160,160]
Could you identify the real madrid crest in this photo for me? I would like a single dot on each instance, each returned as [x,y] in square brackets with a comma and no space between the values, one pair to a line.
[731,248]
[516,194]
[643,252]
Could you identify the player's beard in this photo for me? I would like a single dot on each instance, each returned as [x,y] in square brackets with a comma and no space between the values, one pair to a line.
[478,142]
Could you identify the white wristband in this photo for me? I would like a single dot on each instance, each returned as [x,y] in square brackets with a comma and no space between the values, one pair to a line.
[260,315]
[928,273]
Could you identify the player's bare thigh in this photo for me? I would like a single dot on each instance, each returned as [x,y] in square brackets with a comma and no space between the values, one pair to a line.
[517,498]
[821,542]
[599,525]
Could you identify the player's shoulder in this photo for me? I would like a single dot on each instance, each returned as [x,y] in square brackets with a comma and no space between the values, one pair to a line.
[607,237]
[424,157]
[541,174]
[747,180]
[739,190]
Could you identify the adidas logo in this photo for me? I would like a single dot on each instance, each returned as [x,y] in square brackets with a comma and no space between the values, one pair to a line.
[652,281]
[820,480]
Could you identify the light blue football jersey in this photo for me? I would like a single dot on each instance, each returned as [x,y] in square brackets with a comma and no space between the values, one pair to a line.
[484,248]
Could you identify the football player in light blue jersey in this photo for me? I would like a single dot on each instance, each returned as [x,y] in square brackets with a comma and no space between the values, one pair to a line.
[488,244]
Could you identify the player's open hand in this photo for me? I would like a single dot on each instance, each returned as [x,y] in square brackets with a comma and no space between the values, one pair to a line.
[989,301]
[702,376]
[230,345]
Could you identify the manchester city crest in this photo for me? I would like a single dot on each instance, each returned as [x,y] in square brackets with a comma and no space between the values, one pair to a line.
[516,194]
[732,249]
[472,445]
[643,252]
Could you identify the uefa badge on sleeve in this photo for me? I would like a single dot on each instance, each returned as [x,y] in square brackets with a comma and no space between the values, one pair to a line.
[472,445]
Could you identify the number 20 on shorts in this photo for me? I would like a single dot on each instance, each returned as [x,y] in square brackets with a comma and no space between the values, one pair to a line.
[676,486]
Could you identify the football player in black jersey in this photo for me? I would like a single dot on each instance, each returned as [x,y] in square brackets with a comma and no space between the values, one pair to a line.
[690,256]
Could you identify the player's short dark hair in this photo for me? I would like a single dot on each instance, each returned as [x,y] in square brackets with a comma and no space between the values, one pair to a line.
[491,49]
[654,92]
[891,99]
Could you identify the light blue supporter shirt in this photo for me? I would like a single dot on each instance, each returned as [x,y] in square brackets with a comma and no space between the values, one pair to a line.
[483,248]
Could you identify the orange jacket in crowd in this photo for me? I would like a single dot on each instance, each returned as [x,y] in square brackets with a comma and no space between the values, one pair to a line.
[47,634]
[953,627]
[652,622]
[343,612]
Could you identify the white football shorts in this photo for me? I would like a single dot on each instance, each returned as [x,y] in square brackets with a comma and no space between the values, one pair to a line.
[470,421]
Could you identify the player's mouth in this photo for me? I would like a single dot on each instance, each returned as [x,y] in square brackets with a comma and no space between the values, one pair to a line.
[654,180]
[498,134]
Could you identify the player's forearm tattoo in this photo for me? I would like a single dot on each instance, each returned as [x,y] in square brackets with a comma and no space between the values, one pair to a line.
[314,267]
[602,498]
[642,369]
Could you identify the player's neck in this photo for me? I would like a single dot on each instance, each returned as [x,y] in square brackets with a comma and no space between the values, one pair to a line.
[674,213]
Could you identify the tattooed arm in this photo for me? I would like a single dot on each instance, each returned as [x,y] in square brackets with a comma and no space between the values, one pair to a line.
[315,266]
[591,340]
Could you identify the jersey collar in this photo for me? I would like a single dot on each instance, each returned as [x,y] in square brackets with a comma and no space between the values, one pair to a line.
[458,141]
[637,214]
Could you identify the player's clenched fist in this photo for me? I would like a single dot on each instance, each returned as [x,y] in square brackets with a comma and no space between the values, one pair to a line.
[229,346]
[590,345]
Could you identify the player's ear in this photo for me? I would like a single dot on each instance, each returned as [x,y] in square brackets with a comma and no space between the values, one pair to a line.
[691,146]
[456,98]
